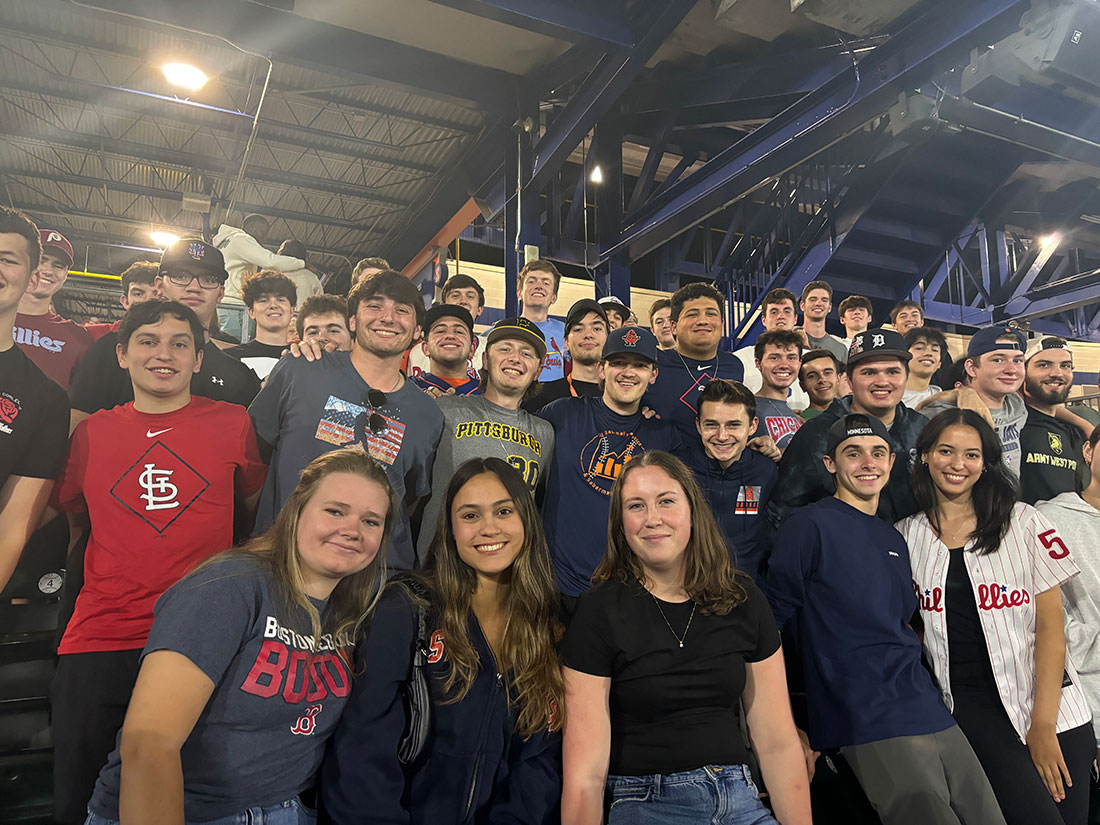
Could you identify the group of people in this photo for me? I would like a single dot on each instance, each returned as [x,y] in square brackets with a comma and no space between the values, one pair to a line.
[406,573]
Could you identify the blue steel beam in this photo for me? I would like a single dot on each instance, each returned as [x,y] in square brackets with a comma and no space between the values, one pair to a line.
[821,118]
[600,90]
[571,23]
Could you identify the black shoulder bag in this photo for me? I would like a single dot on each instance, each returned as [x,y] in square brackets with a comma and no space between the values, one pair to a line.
[418,701]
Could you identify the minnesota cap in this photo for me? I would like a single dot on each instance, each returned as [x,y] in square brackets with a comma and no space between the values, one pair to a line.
[851,426]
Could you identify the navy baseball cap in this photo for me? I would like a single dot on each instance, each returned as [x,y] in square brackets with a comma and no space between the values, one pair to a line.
[985,340]
[631,341]
[194,252]
[877,341]
[851,426]
[448,311]
[519,328]
[582,308]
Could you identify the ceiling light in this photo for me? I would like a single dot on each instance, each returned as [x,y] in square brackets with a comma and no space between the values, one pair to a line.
[1047,241]
[184,74]
[596,175]
[164,239]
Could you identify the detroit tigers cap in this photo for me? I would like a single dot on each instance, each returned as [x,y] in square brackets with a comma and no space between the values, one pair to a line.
[877,341]
[582,308]
[519,328]
[54,241]
[851,426]
[631,341]
[1037,345]
[193,252]
[448,311]
[985,340]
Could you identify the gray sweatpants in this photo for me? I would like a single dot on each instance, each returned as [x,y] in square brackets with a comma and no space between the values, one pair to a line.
[934,779]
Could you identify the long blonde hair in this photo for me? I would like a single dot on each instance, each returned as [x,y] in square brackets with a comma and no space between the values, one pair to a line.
[710,578]
[529,657]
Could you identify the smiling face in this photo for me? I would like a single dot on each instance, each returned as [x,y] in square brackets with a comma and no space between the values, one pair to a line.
[15,269]
[926,358]
[878,383]
[330,327]
[271,312]
[817,305]
[820,380]
[907,319]
[1049,376]
[780,315]
[537,290]
[340,529]
[466,297]
[626,378]
[663,329]
[656,519]
[955,462]
[779,366]
[725,430]
[994,375]
[699,326]
[487,527]
[855,320]
[861,465]
[512,365]
[449,342]
[202,299]
[384,327]
[50,276]
[161,358]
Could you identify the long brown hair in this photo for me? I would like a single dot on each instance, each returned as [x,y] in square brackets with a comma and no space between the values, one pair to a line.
[710,578]
[354,596]
[528,655]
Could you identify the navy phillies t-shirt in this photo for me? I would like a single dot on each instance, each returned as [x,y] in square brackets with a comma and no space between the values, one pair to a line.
[592,444]
[680,380]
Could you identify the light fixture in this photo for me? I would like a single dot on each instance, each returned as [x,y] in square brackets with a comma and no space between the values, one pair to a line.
[596,176]
[164,239]
[185,75]
[1047,241]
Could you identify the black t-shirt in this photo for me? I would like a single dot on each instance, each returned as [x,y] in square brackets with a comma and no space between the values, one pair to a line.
[1051,461]
[34,419]
[672,709]
[969,666]
[99,383]
[553,390]
[260,358]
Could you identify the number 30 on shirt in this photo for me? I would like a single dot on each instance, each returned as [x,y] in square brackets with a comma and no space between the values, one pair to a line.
[528,468]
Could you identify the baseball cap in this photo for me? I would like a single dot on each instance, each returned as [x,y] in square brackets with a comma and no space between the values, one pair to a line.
[878,341]
[518,328]
[255,216]
[631,341]
[1037,345]
[193,252]
[610,302]
[54,241]
[851,426]
[448,311]
[985,340]
[582,308]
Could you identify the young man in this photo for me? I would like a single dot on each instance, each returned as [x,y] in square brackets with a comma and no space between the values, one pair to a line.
[355,398]
[537,287]
[927,346]
[243,252]
[878,365]
[193,273]
[460,290]
[995,364]
[449,343]
[367,268]
[778,359]
[586,329]
[856,314]
[324,319]
[492,423]
[34,414]
[139,283]
[618,313]
[816,304]
[842,575]
[153,483]
[777,311]
[270,297]
[1051,448]
[660,322]
[594,439]
[819,377]
[736,481]
[54,343]
[698,313]
[906,315]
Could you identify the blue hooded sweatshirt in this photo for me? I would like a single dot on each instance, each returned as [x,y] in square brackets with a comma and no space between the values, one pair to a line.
[473,769]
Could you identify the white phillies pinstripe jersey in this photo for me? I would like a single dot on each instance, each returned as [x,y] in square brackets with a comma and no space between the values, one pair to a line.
[1032,559]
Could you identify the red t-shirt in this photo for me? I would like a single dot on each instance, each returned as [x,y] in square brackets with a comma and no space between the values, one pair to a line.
[54,343]
[97,331]
[159,492]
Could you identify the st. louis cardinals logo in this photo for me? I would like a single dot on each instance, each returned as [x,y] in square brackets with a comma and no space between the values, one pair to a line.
[159,487]
[160,493]
[307,723]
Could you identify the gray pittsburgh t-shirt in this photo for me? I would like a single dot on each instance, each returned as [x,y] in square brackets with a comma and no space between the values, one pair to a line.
[307,409]
[475,427]
[1007,421]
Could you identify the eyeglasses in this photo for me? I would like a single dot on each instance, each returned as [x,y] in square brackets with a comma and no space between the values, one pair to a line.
[207,280]
[377,423]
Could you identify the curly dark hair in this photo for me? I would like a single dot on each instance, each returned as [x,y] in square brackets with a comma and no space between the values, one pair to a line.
[268,282]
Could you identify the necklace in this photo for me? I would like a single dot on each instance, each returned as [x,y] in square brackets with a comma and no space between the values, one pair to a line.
[687,369]
[679,639]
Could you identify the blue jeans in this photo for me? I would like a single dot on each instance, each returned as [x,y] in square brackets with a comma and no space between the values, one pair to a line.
[715,794]
[291,812]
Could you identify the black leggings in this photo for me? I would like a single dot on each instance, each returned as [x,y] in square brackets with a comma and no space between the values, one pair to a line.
[1023,797]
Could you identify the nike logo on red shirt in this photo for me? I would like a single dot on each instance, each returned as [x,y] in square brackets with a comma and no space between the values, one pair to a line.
[150,433]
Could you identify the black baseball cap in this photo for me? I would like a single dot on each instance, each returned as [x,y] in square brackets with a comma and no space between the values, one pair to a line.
[631,341]
[518,328]
[448,311]
[878,341]
[582,308]
[986,340]
[851,426]
[193,252]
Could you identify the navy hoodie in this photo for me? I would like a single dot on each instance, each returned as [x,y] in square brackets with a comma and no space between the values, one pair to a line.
[737,496]
[474,768]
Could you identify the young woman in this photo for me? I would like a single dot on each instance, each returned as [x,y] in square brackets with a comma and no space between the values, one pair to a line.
[987,572]
[658,655]
[245,671]
[493,753]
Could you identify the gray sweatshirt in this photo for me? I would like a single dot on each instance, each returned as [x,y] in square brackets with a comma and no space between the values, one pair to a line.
[1078,523]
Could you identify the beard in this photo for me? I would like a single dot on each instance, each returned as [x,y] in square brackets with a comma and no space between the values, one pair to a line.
[1046,395]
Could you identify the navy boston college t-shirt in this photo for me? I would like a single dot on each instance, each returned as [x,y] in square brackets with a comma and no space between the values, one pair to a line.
[680,380]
